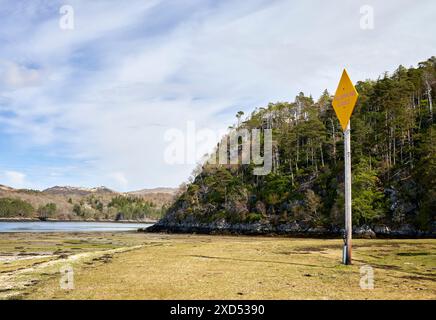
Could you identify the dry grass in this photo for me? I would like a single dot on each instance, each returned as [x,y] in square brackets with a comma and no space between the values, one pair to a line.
[156,266]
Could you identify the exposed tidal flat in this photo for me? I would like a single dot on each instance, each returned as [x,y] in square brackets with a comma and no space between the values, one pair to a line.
[69,226]
[132,265]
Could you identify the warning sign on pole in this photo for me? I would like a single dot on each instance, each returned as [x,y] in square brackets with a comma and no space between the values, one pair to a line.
[345,100]
[343,104]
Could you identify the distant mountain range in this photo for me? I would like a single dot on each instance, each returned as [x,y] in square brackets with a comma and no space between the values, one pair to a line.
[78,190]
[141,192]
[102,190]
[67,197]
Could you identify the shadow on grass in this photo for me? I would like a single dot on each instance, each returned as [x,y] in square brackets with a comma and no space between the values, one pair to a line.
[263,261]
[413,254]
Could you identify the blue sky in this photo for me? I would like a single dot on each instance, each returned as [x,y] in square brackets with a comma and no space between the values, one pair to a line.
[90,106]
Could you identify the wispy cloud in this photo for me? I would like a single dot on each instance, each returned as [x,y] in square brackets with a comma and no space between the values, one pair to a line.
[16,76]
[14,178]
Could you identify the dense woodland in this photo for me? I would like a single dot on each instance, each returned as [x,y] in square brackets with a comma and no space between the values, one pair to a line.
[393,161]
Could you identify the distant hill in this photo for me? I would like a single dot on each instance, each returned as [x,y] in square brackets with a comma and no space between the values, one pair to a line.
[75,203]
[6,188]
[68,190]
[171,191]
[159,196]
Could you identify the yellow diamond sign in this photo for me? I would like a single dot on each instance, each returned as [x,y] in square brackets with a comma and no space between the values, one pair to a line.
[344,100]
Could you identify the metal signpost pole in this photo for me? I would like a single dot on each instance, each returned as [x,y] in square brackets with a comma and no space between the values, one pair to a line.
[348,220]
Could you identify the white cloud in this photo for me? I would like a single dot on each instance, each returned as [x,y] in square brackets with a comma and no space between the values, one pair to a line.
[16,76]
[120,180]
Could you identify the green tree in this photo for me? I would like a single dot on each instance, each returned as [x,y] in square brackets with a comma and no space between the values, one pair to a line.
[77,209]
[12,207]
[132,207]
[368,197]
[46,211]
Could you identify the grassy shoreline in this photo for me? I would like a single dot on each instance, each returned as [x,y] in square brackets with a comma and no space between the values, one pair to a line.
[131,265]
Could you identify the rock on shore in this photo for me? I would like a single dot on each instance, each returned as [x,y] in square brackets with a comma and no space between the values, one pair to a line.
[290,229]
